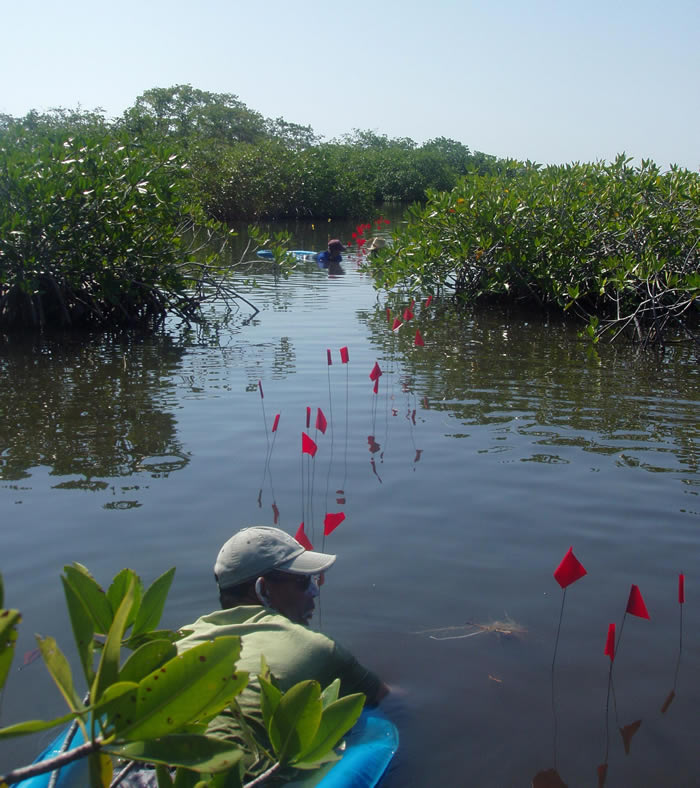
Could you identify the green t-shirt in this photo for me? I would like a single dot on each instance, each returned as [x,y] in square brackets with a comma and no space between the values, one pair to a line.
[293,653]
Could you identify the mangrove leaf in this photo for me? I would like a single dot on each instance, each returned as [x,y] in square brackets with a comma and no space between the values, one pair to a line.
[199,753]
[153,603]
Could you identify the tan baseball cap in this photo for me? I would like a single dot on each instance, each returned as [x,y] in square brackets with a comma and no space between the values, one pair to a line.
[261,548]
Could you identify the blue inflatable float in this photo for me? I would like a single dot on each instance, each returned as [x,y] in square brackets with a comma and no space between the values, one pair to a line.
[369,748]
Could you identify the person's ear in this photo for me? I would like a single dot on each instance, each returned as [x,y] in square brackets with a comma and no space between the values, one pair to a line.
[261,592]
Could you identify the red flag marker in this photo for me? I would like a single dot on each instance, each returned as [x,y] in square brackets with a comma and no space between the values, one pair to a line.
[610,643]
[344,357]
[396,325]
[376,371]
[307,445]
[321,423]
[332,521]
[330,360]
[302,538]
[277,421]
[427,302]
[375,388]
[262,396]
[681,589]
[569,570]
[635,604]
[407,314]
[308,417]
[388,315]
[418,341]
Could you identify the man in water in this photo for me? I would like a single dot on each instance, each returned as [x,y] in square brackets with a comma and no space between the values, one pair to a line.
[332,256]
[267,585]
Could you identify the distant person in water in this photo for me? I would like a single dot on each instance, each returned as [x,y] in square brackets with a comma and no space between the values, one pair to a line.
[375,245]
[332,256]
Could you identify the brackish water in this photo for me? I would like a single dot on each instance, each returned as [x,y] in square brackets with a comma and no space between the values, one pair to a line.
[484,455]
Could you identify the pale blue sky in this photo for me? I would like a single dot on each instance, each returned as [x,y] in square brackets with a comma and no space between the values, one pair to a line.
[550,81]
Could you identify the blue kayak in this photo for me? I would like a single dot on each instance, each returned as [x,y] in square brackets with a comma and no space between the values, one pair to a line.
[300,254]
[370,746]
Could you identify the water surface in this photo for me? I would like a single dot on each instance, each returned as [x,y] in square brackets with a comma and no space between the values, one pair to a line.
[484,455]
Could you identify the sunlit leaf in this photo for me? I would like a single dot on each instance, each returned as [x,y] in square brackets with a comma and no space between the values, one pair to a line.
[83,629]
[34,726]
[270,698]
[108,669]
[330,693]
[119,586]
[194,685]
[60,671]
[9,619]
[152,604]
[91,595]
[296,720]
[146,659]
[336,721]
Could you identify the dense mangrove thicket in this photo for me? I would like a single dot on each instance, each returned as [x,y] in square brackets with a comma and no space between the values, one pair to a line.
[617,245]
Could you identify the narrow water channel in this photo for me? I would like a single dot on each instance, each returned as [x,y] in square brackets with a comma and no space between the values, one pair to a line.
[484,455]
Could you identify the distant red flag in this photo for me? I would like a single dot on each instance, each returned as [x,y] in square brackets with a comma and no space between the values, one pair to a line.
[388,315]
[307,445]
[396,325]
[302,538]
[602,774]
[681,589]
[375,388]
[610,643]
[321,422]
[412,304]
[635,604]
[376,371]
[277,421]
[418,341]
[344,357]
[426,404]
[308,417]
[330,360]
[407,314]
[427,302]
[262,396]
[569,570]
[30,656]
[332,521]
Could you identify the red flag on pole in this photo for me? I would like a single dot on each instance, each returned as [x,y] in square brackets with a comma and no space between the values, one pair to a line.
[569,570]
[418,342]
[262,396]
[302,538]
[681,589]
[375,388]
[635,604]
[610,643]
[344,357]
[407,314]
[277,421]
[388,315]
[330,360]
[428,300]
[396,325]
[332,521]
[376,371]
[321,422]
[307,445]
[308,417]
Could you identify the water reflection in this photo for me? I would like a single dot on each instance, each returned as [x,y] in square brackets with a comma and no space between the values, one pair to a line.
[88,407]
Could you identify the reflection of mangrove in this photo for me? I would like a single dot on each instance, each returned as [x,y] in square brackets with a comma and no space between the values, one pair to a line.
[87,406]
[534,376]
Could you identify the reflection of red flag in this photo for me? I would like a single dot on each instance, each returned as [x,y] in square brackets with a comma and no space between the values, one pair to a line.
[321,422]
[376,371]
[262,396]
[344,357]
[418,342]
[396,325]
[681,589]
[308,417]
[602,774]
[428,300]
[302,538]
[277,421]
[328,354]
[332,521]
[610,643]
[375,388]
[388,315]
[307,445]
[275,513]
[569,570]
[635,604]
[627,732]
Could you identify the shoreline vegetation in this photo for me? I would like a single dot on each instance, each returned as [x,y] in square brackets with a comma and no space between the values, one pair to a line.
[109,223]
